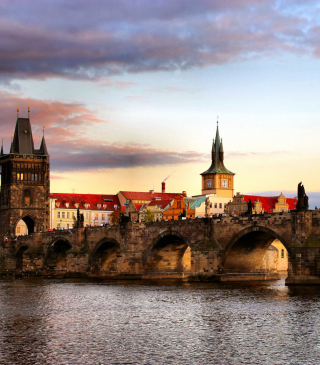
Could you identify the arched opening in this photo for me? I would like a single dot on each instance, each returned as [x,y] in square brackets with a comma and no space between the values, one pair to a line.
[19,257]
[57,256]
[104,259]
[24,226]
[171,255]
[254,252]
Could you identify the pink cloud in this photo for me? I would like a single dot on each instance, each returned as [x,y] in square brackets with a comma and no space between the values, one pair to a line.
[69,146]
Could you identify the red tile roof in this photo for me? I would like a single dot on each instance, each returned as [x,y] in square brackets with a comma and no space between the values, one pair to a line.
[160,203]
[93,200]
[269,202]
[135,195]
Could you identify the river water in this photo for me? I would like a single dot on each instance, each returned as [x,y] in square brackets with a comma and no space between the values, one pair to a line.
[75,321]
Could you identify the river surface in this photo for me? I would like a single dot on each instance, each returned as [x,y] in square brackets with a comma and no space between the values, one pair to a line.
[75,321]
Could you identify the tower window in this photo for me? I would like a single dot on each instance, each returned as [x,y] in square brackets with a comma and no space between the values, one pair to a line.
[27,197]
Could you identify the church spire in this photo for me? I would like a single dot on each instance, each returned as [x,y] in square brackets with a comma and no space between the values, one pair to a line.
[217,165]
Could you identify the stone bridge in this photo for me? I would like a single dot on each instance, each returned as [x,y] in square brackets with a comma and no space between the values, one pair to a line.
[199,249]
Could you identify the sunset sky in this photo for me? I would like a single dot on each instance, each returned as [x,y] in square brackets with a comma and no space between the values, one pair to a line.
[129,91]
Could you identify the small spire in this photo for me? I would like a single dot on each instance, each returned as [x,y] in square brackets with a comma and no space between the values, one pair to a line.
[43,130]
[17,112]
[2,148]
[28,112]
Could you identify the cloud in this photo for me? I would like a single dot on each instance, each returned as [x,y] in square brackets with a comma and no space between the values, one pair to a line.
[101,155]
[85,40]
[69,138]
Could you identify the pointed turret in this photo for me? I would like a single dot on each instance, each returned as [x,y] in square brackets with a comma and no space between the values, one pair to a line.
[217,165]
[218,179]
[22,143]
[213,151]
[43,147]
[221,154]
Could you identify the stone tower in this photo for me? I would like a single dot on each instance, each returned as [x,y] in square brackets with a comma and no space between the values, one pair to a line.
[217,179]
[25,184]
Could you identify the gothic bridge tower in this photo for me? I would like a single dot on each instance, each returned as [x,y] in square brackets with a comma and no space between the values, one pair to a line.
[218,179]
[25,184]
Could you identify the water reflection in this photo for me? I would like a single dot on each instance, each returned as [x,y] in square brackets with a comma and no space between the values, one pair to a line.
[77,321]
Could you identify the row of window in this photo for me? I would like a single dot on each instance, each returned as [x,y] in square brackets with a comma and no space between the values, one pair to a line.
[27,176]
[216,205]
[86,215]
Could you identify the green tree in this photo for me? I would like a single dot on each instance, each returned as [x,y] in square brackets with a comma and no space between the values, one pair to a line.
[149,216]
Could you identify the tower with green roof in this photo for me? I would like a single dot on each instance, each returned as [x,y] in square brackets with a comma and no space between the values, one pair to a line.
[218,179]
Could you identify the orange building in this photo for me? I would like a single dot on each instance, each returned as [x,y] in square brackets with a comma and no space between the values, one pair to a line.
[178,209]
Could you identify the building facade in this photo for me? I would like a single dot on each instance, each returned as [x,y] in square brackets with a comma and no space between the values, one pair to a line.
[260,204]
[96,209]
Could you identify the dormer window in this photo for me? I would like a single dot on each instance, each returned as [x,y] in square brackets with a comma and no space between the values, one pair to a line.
[67,205]
[99,206]
[104,206]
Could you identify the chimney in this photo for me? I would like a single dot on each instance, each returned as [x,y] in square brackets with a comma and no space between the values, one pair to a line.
[151,191]
[163,189]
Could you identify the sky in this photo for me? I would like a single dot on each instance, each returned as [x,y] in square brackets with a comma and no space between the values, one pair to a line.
[128,92]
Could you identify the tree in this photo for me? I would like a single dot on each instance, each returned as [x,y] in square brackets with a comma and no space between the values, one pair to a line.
[115,216]
[149,216]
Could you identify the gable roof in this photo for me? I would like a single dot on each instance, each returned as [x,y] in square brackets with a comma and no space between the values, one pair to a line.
[135,195]
[162,204]
[269,202]
[93,200]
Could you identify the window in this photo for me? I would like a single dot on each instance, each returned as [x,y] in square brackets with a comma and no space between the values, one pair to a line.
[220,205]
[58,214]
[103,217]
[68,215]
[68,225]
[87,215]
[27,197]
[58,225]
[18,229]
[216,205]
[63,214]
[225,205]
[96,217]
[18,176]
[282,253]
[179,204]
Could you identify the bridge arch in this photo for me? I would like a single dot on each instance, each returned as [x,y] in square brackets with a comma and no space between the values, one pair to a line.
[103,258]
[19,256]
[25,225]
[245,251]
[170,252]
[56,258]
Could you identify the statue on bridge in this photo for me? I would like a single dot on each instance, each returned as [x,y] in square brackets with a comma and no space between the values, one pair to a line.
[249,212]
[79,222]
[303,200]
